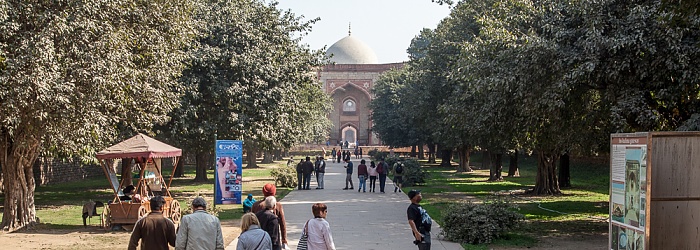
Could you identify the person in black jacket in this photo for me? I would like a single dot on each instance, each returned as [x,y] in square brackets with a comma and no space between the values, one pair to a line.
[269,222]
[307,169]
[300,174]
[320,172]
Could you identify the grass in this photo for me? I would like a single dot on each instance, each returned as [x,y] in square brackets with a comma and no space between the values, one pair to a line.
[59,206]
[583,207]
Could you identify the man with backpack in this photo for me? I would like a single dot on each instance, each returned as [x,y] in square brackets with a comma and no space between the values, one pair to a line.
[320,171]
[382,170]
[397,171]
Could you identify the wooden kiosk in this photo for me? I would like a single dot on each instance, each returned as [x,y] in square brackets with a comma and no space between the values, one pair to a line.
[147,153]
[655,191]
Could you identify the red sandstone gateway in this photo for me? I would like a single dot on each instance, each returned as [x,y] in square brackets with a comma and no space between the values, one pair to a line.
[147,154]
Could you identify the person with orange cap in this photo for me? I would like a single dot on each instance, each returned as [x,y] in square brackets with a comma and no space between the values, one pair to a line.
[270,190]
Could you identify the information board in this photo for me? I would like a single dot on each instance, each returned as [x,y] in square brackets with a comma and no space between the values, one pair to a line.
[628,191]
[228,175]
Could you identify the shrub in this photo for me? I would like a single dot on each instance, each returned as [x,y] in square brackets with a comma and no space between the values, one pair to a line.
[376,154]
[480,223]
[186,207]
[285,176]
[412,172]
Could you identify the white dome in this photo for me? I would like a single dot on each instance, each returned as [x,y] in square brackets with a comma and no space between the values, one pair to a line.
[351,50]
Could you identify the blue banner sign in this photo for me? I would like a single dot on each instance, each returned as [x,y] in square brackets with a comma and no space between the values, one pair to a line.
[228,174]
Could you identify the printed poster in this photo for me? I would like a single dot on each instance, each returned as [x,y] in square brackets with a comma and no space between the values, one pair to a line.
[228,175]
[628,192]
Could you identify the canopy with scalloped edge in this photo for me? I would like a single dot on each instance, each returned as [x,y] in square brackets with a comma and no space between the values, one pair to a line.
[139,146]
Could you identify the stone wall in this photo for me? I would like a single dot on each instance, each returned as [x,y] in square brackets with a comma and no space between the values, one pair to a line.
[52,171]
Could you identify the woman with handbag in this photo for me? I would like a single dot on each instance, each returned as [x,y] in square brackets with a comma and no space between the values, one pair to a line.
[317,232]
[252,238]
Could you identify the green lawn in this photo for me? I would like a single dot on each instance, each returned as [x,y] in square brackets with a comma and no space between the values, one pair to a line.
[60,205]
[580,209]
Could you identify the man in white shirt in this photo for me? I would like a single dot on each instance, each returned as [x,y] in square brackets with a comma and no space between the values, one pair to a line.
[199,230]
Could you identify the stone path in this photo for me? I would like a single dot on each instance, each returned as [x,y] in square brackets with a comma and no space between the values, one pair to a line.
[359,221]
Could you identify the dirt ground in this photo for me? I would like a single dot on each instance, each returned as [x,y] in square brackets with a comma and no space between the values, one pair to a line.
[91,237]
[97,238]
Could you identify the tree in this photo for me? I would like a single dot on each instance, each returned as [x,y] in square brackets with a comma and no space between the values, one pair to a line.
[250,78]
[73,73]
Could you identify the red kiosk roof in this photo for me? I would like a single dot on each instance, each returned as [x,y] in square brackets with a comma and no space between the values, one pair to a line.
[139,146]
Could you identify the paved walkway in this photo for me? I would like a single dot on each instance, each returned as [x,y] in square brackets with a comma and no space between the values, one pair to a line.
[359,221]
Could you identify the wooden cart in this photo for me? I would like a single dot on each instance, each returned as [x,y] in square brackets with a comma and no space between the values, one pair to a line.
[147,154]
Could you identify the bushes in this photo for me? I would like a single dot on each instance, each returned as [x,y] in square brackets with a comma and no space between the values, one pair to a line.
[412,172]
[376,154]
[480,223]
[285,176]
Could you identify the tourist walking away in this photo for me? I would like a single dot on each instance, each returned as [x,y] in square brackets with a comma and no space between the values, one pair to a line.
[397,172]
[382,170]
[320,172]
[248,203]
[300,174]
[269,189]
[362,175]
[307,169]
[338,154]
[318,230]
[333,155]
[154,230]
[348,178]
[360,152]
[199,230]
[373,174]
[252,236]
[419,220]
[357,153]
[269,222]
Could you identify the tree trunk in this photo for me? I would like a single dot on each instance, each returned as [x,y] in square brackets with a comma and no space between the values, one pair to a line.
[431,153]
[17,156]
[496,167]
[464,154]
[413,150]
[421,153]
[485,159]
[446,156]
[126,172]
[251,156]
[564,171]
[180,170]
[202,166]
[277,155]
[513,170]
[546,180]
[267,157]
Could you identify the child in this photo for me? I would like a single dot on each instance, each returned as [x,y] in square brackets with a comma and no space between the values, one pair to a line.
[248,203]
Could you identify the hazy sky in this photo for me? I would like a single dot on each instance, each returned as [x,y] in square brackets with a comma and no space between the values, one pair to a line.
[387,26]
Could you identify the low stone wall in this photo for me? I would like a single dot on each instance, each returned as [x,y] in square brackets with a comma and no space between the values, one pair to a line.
[52,171]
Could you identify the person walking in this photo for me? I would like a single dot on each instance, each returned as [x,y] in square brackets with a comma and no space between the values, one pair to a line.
[372,171]
[357,152]
[332,154]
[382,170]
[419,220]
[199,230]
[307,170]
[362,175]
[318,230]
[338,154]
[270,222]
[154,230]
[269,189]
[300,174]
[252,236]
[397,172]
[348,178]
[360,152]
[320,173]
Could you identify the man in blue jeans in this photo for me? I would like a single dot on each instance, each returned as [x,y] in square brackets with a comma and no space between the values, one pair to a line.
[348,178]
[300,174]
[382,170]
[419,220]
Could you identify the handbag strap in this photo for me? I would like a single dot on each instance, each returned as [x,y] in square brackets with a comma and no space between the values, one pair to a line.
[261,240]
[306,227]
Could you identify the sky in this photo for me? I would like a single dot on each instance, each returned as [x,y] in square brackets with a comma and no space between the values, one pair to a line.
[386,26]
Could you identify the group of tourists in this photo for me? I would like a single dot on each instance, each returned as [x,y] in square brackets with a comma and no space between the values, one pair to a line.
[344,155]
[305,169]
[372,173]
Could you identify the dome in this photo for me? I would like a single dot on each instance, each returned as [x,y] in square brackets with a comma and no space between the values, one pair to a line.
[351,50]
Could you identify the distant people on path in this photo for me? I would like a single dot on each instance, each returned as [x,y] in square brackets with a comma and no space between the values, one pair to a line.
[362,175]
[361,153]
[347,144]
[419,220]
[397,172]
[252,236]
[270,190]
[300,174]
[373,174]
[338,154]
[347,155]
[270,222]
[382,170]
[333,154]
[199,230]
[320,172]
[307,169]
[318,230]
[248,203]
[348,178]
[154,230]
[357,153]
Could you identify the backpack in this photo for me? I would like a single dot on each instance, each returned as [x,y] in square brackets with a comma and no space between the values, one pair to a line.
[399,169]
[380,168]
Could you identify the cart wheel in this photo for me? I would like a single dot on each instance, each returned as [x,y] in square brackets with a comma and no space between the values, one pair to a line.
[142,212]
[175,211]
[106,218]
